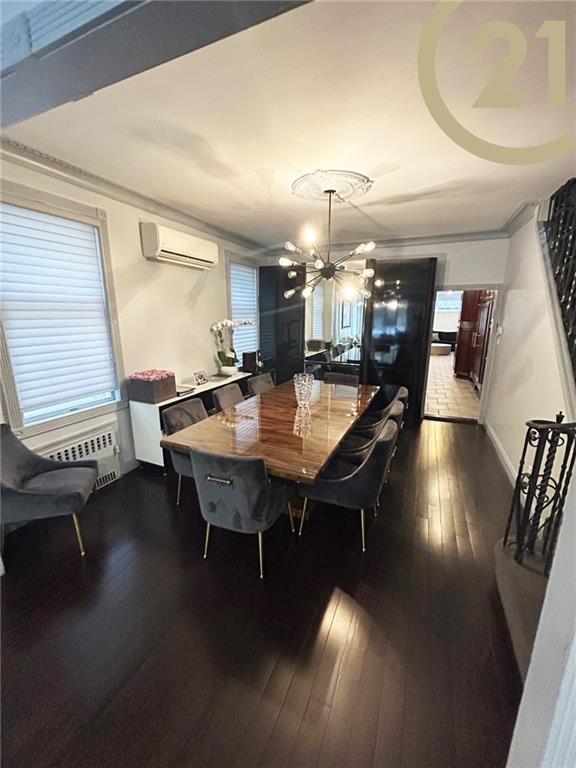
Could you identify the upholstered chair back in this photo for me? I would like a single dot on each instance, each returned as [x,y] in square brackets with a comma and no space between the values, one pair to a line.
[235,492]
[228,396]
[259,384]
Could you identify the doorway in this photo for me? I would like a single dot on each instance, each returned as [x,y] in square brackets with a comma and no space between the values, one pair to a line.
[458,353]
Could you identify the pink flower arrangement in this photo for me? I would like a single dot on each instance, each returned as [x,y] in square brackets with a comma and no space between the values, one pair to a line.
[152,374]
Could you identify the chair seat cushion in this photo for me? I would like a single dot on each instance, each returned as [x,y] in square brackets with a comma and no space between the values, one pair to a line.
[72,481]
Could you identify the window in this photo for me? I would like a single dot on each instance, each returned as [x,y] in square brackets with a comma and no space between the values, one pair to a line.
[448,301]
[318,312]
[244,305]
[56,336]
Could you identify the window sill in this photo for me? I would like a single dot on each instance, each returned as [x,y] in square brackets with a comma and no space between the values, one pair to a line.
[73,418]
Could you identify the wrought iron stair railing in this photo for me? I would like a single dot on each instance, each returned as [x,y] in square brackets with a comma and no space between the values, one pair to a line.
[560,233]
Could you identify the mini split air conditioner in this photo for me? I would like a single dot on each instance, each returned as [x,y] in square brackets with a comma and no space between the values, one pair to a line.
[161,243]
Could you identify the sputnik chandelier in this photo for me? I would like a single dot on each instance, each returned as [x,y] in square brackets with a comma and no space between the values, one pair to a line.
[320,266]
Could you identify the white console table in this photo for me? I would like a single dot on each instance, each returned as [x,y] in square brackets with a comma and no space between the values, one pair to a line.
[147,420]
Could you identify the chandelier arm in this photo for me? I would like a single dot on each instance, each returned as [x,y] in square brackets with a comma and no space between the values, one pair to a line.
[348,256]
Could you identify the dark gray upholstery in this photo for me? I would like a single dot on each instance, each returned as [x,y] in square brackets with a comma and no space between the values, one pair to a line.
[331,377]
[397,412]
[228,396]
[236,493]
[33,487]
[182,415]
[259,384]
[179,417]
[352,486]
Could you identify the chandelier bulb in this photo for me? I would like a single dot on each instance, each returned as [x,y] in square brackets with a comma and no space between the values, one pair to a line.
[292,274]
[289,293]
[291,247]
[359,249]
[307,291]
[369,246]
[365,293]
[318,263]
[284,261]
[367,273]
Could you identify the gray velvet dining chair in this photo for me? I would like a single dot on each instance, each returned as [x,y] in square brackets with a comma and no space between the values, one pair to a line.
[236,493]
[174,419]
[33,487]
[348,485]
[259,384]
[227,396]
[334,377]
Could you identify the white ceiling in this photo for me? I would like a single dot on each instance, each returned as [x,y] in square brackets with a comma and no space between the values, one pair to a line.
[222,132]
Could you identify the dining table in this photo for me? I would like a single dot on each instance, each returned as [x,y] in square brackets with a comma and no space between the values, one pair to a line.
[296,443]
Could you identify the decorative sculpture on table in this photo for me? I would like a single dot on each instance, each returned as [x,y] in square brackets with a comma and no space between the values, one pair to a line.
[224,334]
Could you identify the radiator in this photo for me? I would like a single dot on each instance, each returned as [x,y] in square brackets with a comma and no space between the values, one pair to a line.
[101,445]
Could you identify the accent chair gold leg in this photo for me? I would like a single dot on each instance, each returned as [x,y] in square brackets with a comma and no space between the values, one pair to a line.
[303,516]
[362,525]
[261,553]
[206,540]
[291,516]
[179,490]
[78,535]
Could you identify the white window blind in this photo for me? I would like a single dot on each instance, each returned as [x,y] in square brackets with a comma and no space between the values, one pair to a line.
[318,312]
[54,314]
[244,306]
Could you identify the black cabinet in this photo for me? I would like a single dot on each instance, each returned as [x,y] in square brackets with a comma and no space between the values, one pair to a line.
[398,327]
[282,321]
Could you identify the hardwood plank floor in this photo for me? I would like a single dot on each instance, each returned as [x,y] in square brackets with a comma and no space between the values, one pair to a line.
[146,655]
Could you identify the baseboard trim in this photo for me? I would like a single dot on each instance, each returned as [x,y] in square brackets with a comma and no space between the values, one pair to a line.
[507,465]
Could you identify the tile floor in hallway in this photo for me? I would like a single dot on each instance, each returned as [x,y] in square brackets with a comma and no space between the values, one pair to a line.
[447,395]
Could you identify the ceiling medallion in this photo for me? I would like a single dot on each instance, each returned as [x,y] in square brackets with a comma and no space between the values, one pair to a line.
[347,185]
[321,266]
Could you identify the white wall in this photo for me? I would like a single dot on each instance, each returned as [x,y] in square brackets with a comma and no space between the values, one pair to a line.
[526,379]
[467,264]
[164,311]
[545,732]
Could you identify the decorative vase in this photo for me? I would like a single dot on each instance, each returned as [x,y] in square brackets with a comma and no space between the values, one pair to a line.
[228,370]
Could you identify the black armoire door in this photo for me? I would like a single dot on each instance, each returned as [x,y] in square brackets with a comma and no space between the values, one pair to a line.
[398,328]
[282,322]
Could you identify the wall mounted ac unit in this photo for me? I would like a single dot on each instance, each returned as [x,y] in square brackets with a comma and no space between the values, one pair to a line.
[161,243]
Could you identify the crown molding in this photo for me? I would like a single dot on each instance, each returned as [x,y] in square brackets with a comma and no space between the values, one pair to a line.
[521,216]
[32,159]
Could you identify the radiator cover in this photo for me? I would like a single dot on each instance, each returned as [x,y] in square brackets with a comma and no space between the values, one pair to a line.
[100,445]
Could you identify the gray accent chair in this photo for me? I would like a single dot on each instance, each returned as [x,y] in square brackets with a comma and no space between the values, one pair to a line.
[228,396]
[236,493]
[346,484]
[33,487]
[174,419]
[333,377]
[259,384]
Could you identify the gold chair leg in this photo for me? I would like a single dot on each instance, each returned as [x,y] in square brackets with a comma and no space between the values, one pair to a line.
[206,540]
[363,530]
[179,490]
[303,516]
[291,516]
[261,553]
[78,534]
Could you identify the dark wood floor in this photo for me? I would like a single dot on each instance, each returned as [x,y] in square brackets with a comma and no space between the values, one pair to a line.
[145,655]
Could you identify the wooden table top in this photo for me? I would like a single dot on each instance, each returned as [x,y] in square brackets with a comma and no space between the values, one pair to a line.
[295,444]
